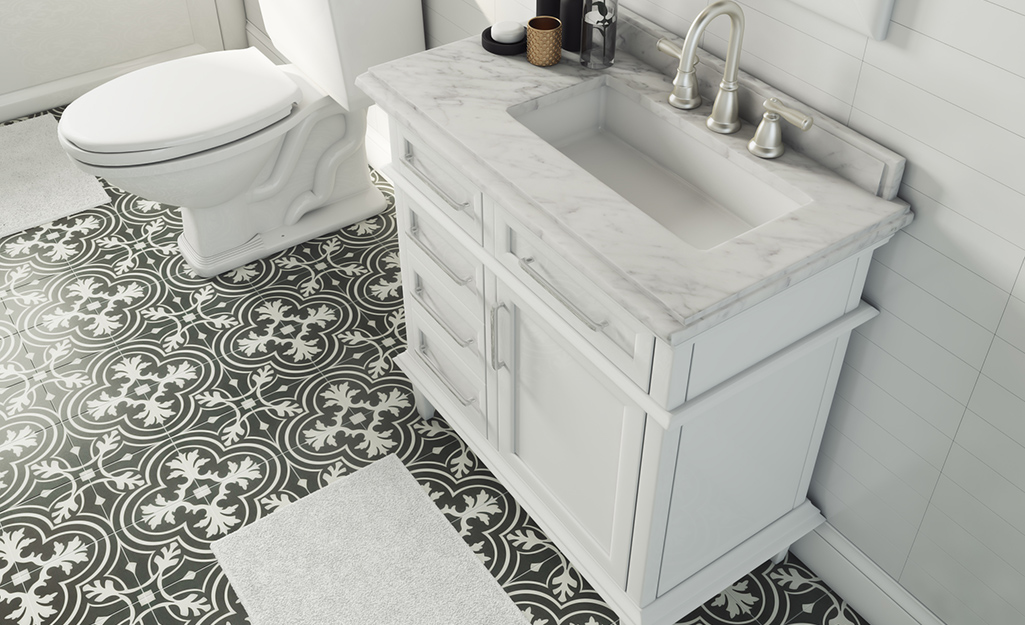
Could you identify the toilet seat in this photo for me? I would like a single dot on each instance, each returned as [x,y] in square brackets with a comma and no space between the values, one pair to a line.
[178,108]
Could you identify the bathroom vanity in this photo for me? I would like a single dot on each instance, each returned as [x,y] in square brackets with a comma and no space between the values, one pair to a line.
[646,360]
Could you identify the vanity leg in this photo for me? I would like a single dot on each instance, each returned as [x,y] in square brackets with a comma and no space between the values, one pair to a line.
[779,557]
[423,406]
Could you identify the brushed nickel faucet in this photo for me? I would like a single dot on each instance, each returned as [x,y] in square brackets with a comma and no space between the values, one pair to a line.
[724,118]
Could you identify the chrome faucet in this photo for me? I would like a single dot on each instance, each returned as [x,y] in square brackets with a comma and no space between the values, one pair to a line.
[724,118]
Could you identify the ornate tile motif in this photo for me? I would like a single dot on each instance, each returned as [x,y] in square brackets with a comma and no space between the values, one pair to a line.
[146,411]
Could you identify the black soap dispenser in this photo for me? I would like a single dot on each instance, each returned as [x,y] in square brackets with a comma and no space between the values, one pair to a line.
[548,7]
[571,12]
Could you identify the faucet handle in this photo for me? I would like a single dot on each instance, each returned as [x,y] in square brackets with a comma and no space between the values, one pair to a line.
[768,139]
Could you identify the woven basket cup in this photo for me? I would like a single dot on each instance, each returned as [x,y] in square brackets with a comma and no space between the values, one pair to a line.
[544,41]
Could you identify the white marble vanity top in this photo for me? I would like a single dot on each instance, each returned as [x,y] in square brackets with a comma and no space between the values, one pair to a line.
[457,98]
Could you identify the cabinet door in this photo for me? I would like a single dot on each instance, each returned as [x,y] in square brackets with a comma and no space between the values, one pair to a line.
[567,430]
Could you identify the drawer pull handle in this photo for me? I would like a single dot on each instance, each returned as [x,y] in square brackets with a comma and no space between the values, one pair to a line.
[496,364]
[526,264]
[425,357]
[410,160]
[413,231]
[418,296]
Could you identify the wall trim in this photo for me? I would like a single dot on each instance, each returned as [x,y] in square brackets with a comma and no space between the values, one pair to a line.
[866,587]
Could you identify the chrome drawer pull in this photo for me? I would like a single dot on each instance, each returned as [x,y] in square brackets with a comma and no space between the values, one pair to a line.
[462,206]
[413,231]
[438,374]
[496,364]
[418,296]
[596,326]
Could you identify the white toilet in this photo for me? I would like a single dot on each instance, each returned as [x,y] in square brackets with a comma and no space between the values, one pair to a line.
[260,157]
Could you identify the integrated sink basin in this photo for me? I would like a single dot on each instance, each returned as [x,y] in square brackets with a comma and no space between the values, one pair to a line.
[693,190]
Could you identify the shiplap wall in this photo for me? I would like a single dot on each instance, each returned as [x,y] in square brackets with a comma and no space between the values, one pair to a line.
[923,463]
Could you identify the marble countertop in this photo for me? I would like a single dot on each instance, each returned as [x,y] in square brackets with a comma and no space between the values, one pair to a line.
[457,97]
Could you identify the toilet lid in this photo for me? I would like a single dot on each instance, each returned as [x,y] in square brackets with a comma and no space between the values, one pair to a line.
[180,107]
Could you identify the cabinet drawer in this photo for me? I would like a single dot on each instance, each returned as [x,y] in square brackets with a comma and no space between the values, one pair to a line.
[425,243]
[465,388]
[442,183]
[463,335]
[603,323]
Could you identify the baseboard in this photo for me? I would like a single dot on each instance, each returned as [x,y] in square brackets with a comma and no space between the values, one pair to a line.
[866,587]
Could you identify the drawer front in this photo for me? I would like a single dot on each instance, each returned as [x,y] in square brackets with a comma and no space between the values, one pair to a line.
[442,183]
[464,387]
[603,323]
[463,334]
[425,243]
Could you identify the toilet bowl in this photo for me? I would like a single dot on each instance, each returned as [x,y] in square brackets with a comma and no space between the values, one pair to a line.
[258,156]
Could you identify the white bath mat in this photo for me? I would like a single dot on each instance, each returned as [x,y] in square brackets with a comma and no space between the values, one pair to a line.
[369,549]
[38,183]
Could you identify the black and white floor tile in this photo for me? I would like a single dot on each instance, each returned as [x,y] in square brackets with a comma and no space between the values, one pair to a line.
[146,411]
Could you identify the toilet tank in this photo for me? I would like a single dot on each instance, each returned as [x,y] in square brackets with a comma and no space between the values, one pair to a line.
[334,41]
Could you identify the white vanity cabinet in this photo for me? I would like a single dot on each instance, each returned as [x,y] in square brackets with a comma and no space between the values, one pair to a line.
[664,469]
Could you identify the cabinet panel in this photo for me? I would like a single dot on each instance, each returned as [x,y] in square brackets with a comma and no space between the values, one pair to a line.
[567,431]
[717,500]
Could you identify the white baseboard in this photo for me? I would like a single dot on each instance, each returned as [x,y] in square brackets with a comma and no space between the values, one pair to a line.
[866,587]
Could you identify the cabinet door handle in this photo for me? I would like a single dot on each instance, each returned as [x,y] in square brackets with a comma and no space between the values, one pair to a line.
[426,359]
[418,296]
[526,264]
[496,364]
[413,231]
[410,158]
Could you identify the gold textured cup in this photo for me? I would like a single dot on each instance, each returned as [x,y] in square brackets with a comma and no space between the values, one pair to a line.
[544,41]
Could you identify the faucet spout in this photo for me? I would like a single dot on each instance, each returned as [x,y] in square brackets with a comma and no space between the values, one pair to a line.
[725,116]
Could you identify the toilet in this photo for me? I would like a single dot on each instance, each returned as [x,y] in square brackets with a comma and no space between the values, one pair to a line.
[259,157]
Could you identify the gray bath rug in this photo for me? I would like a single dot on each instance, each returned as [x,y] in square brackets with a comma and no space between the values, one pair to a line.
[370,548]
[38,183]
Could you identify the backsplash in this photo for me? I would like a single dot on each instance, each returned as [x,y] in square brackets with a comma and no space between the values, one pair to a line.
[923,463]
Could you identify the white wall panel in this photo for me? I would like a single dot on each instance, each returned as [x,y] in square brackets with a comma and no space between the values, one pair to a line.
[1005,365]
[914,349]
[962,290]
[910,388]
[958,596]
[1012,326]
[1000,538]
[997,450]
[950,329]
[1019,286]
[968,244]
[970,139]
[875,477]
[930,65]
[1001,408]
[981,28]
[945,179]
[858,514]
[995,492]
[904,424]
[902,463]
[811,24]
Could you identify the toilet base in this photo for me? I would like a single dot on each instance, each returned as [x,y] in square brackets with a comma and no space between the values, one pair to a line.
[311,225]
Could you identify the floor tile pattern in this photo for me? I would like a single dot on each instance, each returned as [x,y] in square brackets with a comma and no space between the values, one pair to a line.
[146,411]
